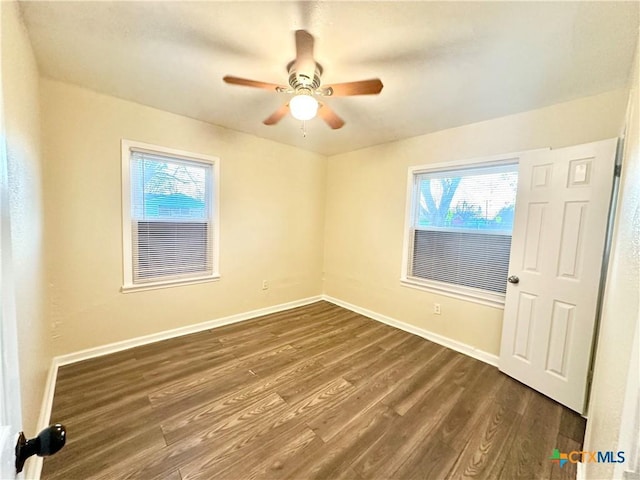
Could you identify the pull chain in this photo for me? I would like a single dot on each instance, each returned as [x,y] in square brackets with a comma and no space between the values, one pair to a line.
[304,129]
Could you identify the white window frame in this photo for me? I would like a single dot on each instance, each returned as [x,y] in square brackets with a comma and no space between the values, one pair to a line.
[127,146]
[475,295]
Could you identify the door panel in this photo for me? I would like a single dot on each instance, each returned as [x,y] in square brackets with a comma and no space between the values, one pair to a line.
[570,243]
[524,319]
[560,338]
[558,245]
[534,232]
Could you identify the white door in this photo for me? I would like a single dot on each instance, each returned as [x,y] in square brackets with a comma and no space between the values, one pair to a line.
[562,207]
[10,412]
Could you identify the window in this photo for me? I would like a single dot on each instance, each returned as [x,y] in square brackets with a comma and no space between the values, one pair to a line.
[459,229]
[170,218]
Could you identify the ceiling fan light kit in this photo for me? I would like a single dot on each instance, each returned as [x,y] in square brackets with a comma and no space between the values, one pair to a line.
[305,85]
[303,106]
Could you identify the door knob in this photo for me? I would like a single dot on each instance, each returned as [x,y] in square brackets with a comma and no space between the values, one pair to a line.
[513,279]
[48,442]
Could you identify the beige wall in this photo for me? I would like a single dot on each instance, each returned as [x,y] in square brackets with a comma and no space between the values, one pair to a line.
[272,211]
[606,427]
[22,122]
[365,212]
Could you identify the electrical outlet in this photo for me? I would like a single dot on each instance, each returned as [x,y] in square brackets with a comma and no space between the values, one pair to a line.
[436,308]
[265,284]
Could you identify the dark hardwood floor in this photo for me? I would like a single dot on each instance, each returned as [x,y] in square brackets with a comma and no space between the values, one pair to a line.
[313,392]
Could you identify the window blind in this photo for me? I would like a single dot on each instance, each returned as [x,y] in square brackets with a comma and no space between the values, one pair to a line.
[171,217]
[461,225]
[467,259]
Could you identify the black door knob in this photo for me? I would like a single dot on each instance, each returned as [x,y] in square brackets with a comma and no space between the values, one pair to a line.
[513,279]
[48,442]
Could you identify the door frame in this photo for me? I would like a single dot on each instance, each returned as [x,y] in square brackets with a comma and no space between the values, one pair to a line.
[604,269]
[10,399]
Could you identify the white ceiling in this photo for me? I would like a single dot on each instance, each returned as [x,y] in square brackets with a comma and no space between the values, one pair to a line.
[443,64]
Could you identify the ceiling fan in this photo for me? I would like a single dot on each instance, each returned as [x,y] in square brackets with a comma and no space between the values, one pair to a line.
[305,85]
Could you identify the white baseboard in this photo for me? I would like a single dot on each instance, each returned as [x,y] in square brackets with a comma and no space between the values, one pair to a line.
[476,353]
[33,467]
[240,317]
[178,332]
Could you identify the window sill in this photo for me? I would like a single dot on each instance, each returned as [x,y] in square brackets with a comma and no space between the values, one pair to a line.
[468,294]
[167,284]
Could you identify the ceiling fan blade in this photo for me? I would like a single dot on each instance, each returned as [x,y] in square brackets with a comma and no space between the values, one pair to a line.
[330,117]
[305,64]
[252,83]
[276,116]
[363,87]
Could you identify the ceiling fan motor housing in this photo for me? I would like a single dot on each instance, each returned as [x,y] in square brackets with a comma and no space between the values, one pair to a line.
[299,81]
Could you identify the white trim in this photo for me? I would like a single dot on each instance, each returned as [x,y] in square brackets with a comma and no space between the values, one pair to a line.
[407,239]
[479,162]
[581,473]
[5,446]
[178,332]
[125,176]
[502,158]
[467,294]
[33,468]
[81,355]
[460,347]
[47,397]
[173,283]
[128,146]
